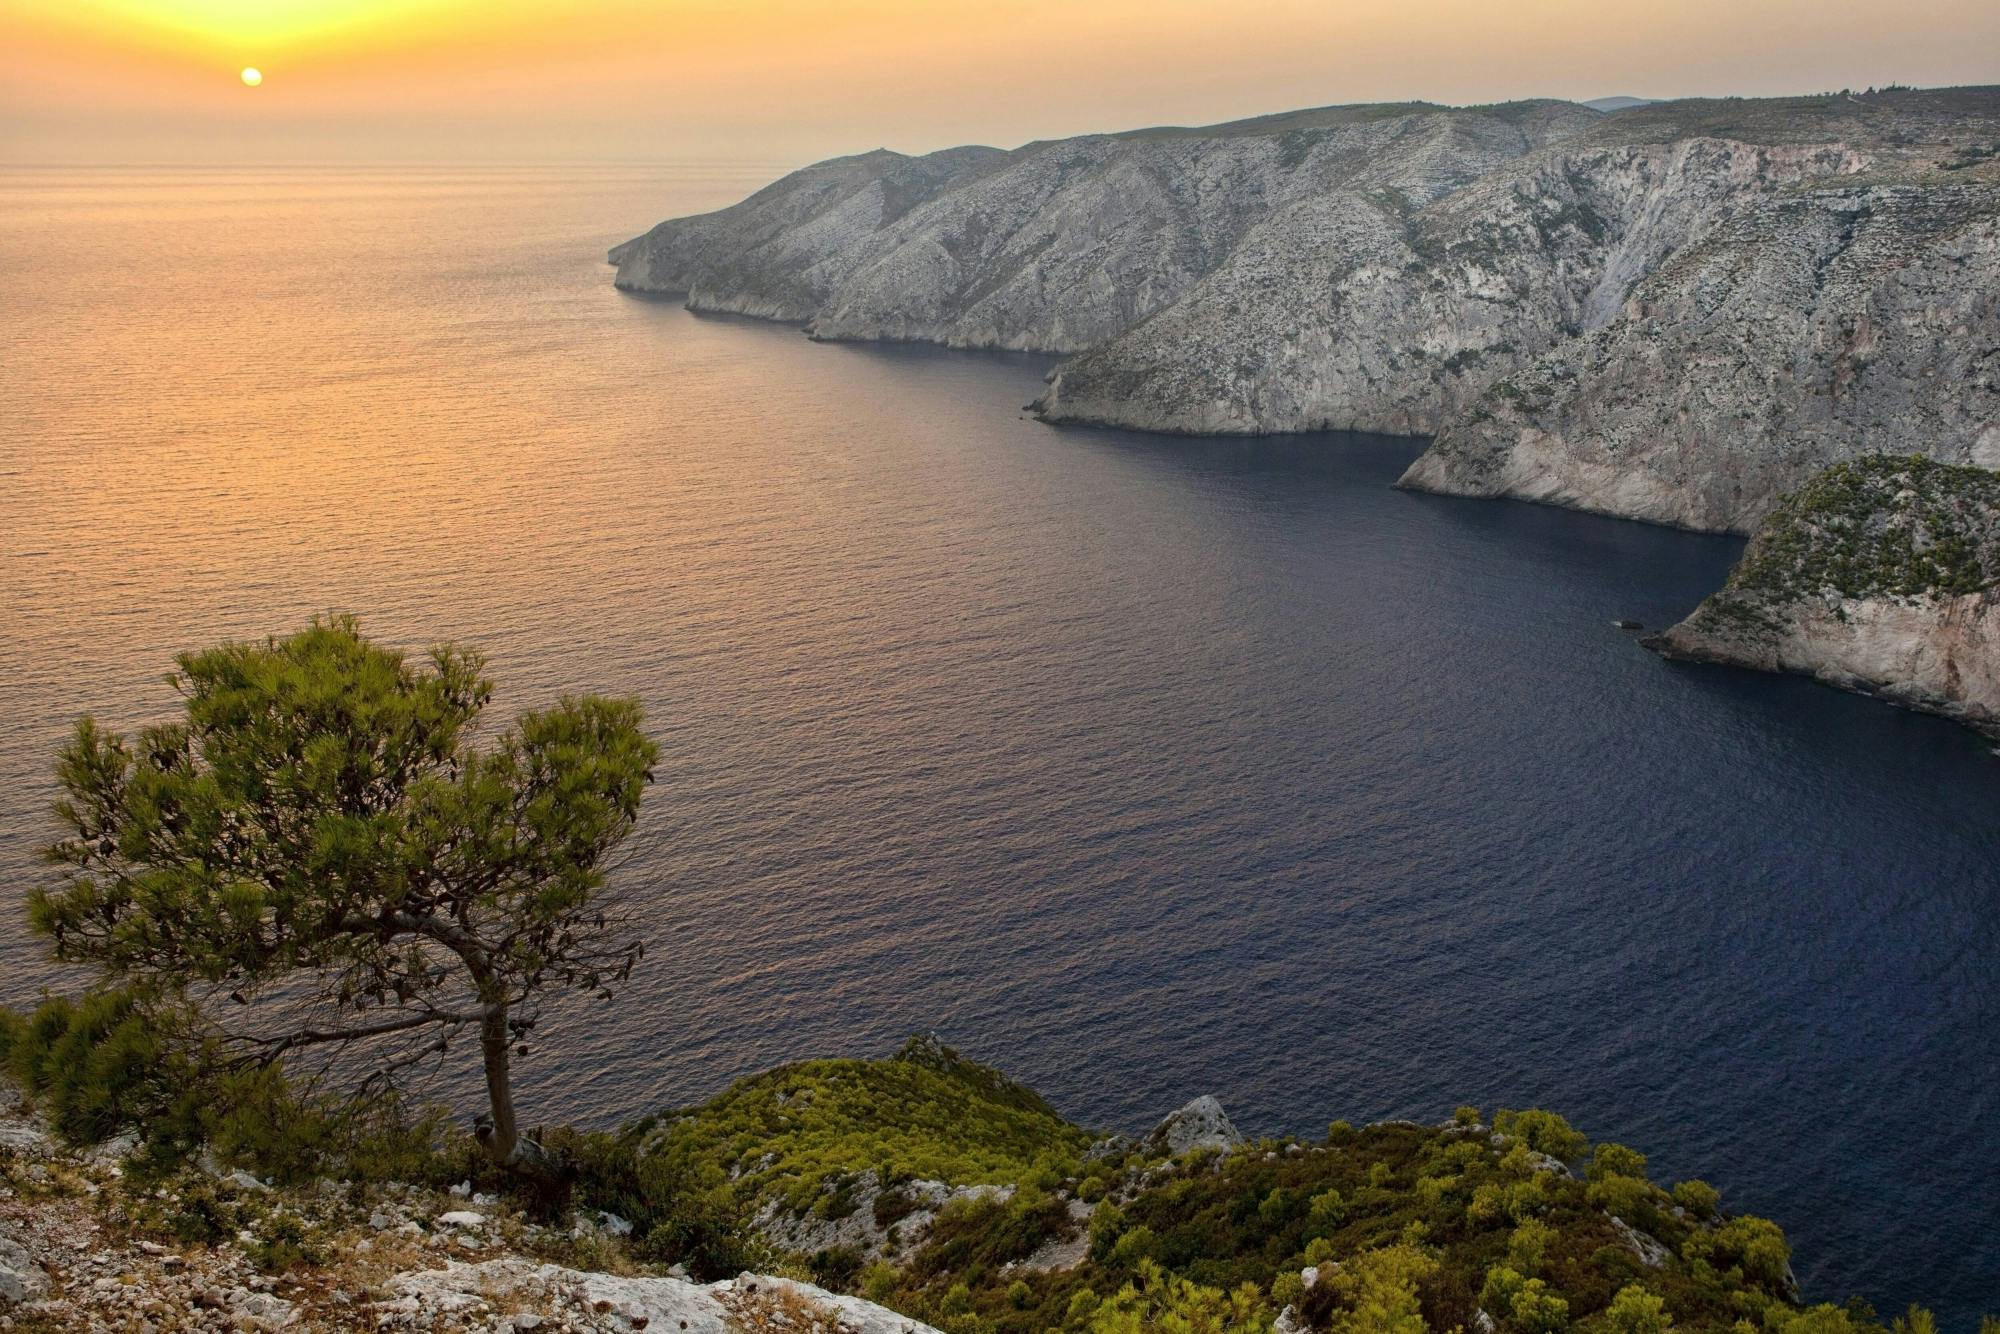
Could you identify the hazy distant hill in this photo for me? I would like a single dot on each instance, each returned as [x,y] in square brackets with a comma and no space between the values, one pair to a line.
[1618,103]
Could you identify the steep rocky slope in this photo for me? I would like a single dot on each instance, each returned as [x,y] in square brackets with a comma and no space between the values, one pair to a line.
[1055,246]
[1673,312]
[1821,324]
[1881,575]
[780,253]
[1358,311]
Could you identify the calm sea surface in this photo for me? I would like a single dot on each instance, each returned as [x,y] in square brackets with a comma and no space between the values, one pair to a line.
[1143,767]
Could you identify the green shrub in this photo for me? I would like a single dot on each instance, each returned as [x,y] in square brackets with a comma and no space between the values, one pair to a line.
[1375,1292]
[1916,1320]
[98,1065]
[1542,1131]
[1133,1246]
[1106,1226]
[878,1281]
[1160,1302]
[1528,1246]
[1627,1197]
[1328,1207]
[1637,1311]
[1751,1246]
[805,1133]
[283,1244]
[1615,1160]
[1698,1198]
[837,1268]
[1523,1303]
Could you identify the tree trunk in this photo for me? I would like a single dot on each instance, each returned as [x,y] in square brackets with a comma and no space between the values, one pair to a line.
[499,1133]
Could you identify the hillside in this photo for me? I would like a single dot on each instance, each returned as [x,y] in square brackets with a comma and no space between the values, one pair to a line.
[1589,309]
[903,1196]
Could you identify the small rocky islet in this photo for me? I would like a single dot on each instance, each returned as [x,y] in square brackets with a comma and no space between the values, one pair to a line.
[1681,312]
[1877,576]
[911,1195]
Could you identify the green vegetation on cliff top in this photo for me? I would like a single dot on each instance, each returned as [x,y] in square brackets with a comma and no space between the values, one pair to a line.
[926,1113]
[1879,527]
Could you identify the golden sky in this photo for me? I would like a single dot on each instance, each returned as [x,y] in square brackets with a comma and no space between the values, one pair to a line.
[792,80]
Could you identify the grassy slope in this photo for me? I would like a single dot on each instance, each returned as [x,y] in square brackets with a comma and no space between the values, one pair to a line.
[924,1113]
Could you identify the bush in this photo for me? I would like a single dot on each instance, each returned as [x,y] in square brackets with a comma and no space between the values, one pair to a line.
[1323,1215]
[1376,1291]
[1627,1197]
[1528,1246]
[1615,1160]
[1544,1132]
[792,1132]
[99,1065]
[1753,1247]
[1636,1311]
[1698,1198]
[878,1282]
[1523,1303]
[1134,1246]
[837,1268]
[1169,1305]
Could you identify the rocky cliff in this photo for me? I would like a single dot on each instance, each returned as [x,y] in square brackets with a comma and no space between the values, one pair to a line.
[1881,575]
[1673,312]
[1816,325]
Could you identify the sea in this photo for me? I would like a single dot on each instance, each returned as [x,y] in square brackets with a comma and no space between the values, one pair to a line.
[1141,767]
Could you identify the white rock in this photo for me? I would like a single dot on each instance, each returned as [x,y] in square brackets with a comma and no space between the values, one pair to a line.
[1652,1252]
[661,1303]
[1201,1124]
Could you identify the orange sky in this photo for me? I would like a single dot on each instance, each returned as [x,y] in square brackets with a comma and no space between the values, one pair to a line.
[791,80]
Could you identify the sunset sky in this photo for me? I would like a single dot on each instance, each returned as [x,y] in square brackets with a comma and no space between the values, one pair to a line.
[791,80]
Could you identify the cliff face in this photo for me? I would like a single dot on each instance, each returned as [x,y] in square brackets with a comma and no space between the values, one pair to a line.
[1056,246]
[1881,575]
[1813,327]
[781,253]
[1356,311]
[1674,312]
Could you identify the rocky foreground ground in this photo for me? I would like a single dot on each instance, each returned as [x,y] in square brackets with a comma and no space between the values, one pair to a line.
[79,1251]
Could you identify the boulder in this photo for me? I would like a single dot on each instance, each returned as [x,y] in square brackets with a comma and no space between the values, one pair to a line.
[21,1279]
[1652,1252]
[1202,1124]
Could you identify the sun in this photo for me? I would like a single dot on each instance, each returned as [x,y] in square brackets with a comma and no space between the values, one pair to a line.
[252,75]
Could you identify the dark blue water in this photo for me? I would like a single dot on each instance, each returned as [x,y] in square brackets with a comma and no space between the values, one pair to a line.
[1141,767]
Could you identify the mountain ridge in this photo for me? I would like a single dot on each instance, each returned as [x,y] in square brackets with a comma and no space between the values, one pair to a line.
[1413,269]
